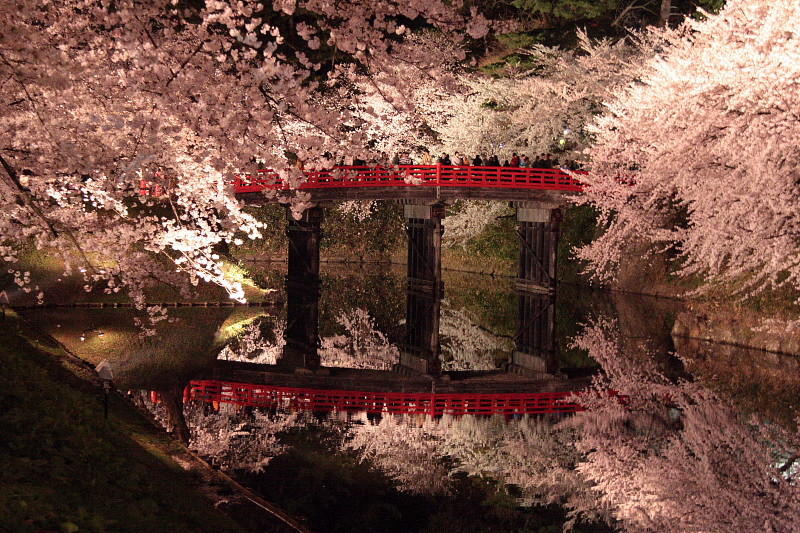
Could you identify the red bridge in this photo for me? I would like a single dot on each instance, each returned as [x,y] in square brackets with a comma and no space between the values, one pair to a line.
[418,175]
[403,181]
[321,400]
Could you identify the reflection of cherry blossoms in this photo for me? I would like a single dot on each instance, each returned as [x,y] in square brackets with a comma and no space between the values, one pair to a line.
[234,438]
[465,345]
[361,346]
[423,454]
[675,457]
[405,448]
[710,470]
[252,346]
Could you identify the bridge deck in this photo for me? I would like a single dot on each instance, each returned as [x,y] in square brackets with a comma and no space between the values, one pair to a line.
[415,194]
[494,381]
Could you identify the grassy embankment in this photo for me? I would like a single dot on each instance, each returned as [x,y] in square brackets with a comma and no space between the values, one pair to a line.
[65,468]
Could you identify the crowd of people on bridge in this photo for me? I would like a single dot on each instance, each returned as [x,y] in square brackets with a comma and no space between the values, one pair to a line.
[543,160]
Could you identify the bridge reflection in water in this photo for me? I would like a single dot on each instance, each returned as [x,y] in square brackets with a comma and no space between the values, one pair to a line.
[433,404]
[529,382]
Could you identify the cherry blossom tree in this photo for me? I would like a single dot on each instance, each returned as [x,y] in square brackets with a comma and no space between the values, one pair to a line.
[97,95]
[537,110]
[470,220]
[699,156]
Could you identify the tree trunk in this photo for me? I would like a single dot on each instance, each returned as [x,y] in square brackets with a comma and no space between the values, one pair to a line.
[173,401]
[663,17]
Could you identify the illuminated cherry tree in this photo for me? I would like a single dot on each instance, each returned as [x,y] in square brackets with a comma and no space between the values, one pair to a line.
[699,156]
[98,95]
[541,110]
[470,220]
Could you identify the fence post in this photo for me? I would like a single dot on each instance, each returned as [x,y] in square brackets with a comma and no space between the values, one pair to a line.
[438,173]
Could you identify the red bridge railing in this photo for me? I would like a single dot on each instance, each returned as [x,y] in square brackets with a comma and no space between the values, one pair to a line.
[434,404]
[419,176]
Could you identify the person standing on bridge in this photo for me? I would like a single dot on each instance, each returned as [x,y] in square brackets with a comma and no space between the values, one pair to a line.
[525,162]
[478,161]
[543,162]
[514,160]
[426,158]
[444,160]
[405,159]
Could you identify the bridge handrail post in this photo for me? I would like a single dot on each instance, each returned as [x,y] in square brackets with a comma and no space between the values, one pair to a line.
[438,174]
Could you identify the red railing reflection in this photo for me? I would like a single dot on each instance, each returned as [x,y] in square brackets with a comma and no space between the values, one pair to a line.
[434,404]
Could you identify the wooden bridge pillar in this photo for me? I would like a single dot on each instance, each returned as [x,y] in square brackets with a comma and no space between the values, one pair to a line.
[302,290]
[538,237]
[535,351]
[304,238]
[424,264]
[421,351]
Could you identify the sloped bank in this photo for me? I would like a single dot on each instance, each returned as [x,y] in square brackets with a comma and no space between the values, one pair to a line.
[66,468]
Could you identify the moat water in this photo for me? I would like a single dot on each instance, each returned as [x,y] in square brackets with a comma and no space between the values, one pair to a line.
[345,467]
